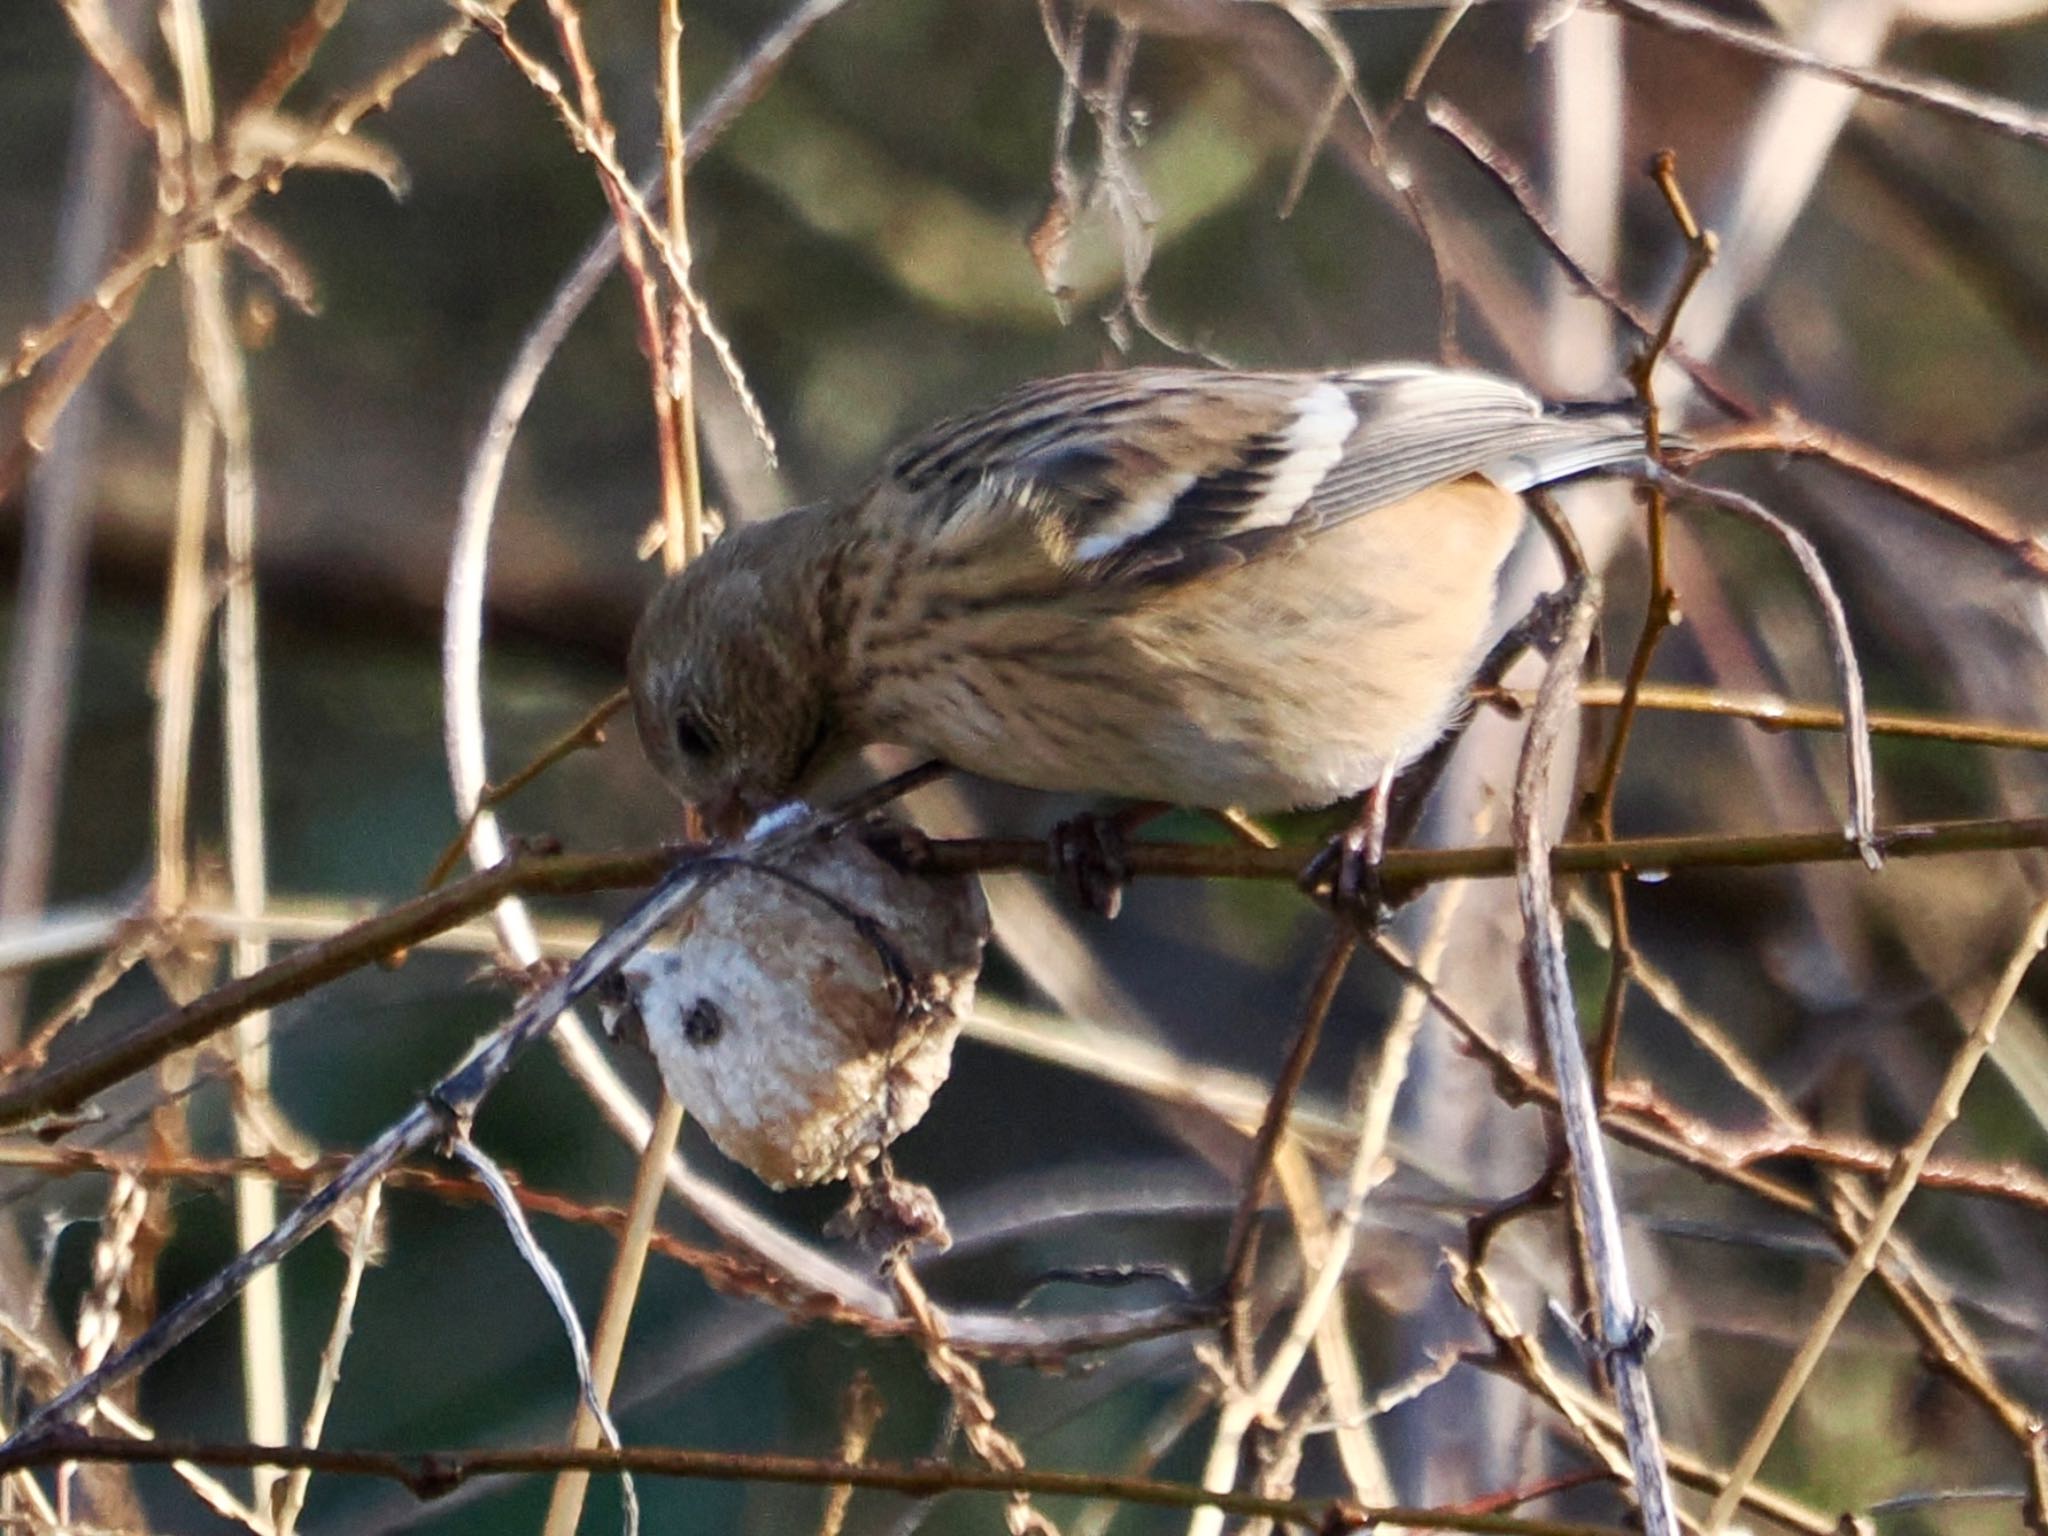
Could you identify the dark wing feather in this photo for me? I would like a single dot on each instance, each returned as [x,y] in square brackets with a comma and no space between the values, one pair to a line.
[1163,474]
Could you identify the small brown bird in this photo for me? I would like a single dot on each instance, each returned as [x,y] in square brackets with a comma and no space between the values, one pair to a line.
[1260,590]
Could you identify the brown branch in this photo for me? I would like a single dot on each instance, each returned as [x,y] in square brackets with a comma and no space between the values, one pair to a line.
[1914,90]
[1863,1261]
[389,934]
[216,209]
[1049,1342]
[1520,1358]
[593,142]
[292,60]
[382,938]
[1242,1247]
[1660,612]
[435,1474]
[135,941]
[1407,869]
[861,1408]
[1776,713]
[116,61]
[585,733]
[1786,431]
[1841,648]
[1670,1136]
[1779,429]
[1514,181]
[2011,1181]
[656,337]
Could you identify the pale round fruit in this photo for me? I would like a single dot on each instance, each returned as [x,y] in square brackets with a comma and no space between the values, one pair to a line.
[804,1014]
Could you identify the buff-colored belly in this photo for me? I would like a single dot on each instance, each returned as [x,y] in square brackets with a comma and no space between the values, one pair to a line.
[1289,681]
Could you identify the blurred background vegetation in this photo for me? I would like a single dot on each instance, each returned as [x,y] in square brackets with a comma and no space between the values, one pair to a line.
[863,234]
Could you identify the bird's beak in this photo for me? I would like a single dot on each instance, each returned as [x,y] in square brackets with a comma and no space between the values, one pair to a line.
[727,816]
[732,814]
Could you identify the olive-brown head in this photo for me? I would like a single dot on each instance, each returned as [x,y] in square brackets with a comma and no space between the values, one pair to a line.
[728,677]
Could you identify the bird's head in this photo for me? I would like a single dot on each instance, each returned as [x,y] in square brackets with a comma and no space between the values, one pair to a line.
[729,692]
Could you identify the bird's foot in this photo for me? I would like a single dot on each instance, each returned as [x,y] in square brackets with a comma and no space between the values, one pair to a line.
[523,979]
[897,844]
[1347,869]
[1345,873]
[1091,855]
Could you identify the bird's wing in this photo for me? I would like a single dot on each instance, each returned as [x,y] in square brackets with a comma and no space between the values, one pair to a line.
[1162,474]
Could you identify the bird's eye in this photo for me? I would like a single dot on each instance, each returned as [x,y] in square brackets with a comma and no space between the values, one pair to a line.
[692,739]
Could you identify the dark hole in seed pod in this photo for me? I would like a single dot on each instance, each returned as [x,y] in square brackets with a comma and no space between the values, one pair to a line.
[704,1023]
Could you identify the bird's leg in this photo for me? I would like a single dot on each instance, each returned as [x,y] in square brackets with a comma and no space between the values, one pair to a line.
[1350,861]
[1089,856]
[1541,630]
[1537,630]
[1391,810]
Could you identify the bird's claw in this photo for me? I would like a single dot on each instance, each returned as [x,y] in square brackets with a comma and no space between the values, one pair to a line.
[898,844]
[1091,859]
[1345,873]
[1542,628]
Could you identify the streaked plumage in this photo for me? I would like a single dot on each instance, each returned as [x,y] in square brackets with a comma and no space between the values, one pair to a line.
[1207,588]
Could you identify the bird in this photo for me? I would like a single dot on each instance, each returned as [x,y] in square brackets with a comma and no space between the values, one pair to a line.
[1257,590]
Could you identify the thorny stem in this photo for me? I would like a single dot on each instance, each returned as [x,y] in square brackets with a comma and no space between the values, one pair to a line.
[1044,1343]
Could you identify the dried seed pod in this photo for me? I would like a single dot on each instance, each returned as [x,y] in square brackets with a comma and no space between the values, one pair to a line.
[804,1013]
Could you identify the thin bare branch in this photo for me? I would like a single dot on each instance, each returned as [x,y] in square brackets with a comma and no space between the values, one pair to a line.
[362,1243]
[449,1105]
[1923,91]
[583,735]
[1622,1329]
[114,293]
[1242,1247]
[292,59]
[388,934]
[1776,430]
[106,43]
[1905,1178]
[615,1316]
[1841,651]
[543,1269]
[434,1474]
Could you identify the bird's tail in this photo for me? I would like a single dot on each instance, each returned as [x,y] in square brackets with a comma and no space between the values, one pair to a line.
[1564,445]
